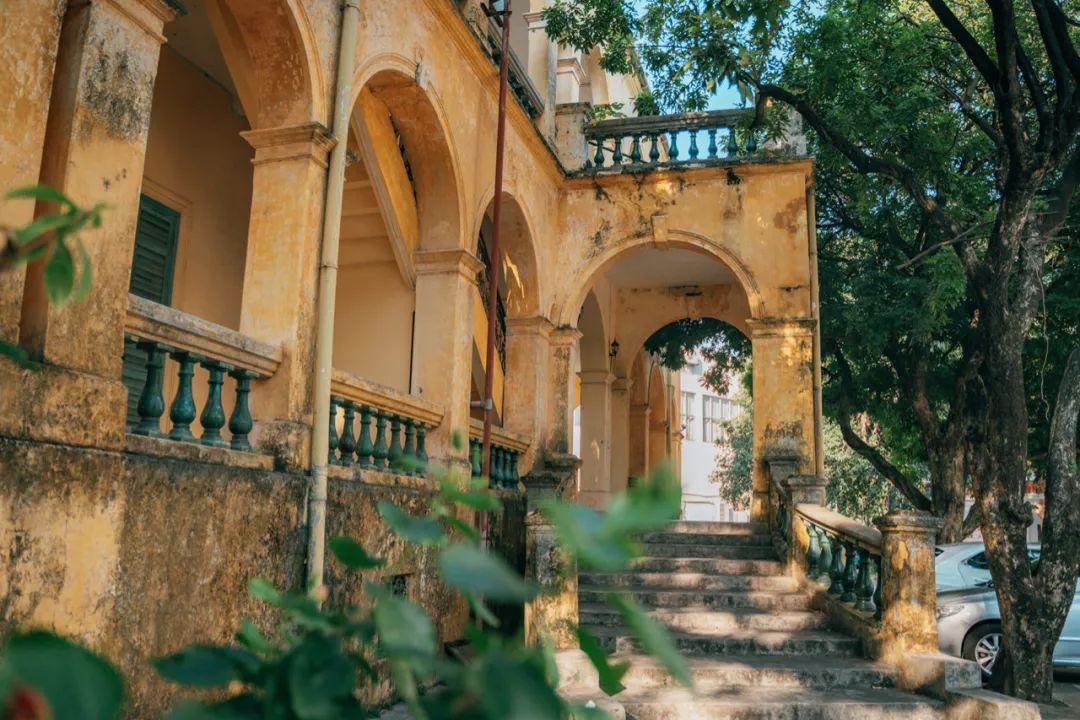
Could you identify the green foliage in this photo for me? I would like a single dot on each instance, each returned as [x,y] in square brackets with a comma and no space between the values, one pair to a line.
[51,236]
[725,349]
[43,675]
[316,662]
[605,111]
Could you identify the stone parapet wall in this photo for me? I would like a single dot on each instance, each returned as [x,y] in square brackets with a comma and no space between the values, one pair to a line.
[139,555]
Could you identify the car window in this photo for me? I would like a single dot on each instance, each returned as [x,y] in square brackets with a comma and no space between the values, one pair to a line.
[938,551]
[978,561]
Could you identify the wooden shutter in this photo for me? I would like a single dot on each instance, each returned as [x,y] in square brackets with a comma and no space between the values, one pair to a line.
[152,264]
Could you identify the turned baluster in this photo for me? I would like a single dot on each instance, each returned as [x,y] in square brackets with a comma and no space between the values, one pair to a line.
[864,591]
[182,411]
[151,403]
[877,587]
[347,441]
[514,479]
[240,422]
[714,151]
[825,560]
[381,450]
[836,574]
[673,149]
[616,153]
[396,453]
[474,456]
[332,437]
[598,158]
[732,143]
[694,152]
[850,574]
[654,151]
[496,466]
[813,551]
[364,446]
[410,446]
[213,414]
[635,149]
[421,449]
[751,143]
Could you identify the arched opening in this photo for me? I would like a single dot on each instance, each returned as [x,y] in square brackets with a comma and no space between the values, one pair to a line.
[400,197]
[646,288]
[518,297]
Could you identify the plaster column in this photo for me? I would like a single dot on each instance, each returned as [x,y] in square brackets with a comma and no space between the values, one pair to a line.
[29,38]
[442,343]
[525,398]
[783,399]
[541,63]
[639,440]
[559,416]
[595,477]
[281,276]
[94,150]
[658,442]
[908,582]
[620,435]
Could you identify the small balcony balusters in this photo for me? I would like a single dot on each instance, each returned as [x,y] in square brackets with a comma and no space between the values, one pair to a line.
[633,143]
[504,463]
[848,568]
[384,441]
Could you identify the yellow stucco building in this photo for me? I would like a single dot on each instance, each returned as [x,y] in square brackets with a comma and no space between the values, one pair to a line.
[134,517]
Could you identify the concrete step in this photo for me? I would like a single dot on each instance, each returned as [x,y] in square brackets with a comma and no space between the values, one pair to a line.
[712,621]
[711,566]
[701,538]
[688,581]
[718,528]
[707,599]
[727,552]
[760,671]
[822,644]
[748,703]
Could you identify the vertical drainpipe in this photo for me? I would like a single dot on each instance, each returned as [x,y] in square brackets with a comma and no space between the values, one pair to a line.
[815,312]
[324,338]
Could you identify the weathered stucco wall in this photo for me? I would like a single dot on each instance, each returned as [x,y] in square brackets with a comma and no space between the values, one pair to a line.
[139,556]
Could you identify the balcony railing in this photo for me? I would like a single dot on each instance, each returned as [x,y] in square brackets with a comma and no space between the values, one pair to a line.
[162,333]
[380,428]
[506,451]
[519,81]
[670,139]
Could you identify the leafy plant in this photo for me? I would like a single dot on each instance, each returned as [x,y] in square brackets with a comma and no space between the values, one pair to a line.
[317,661]
[605,111]
[53,236]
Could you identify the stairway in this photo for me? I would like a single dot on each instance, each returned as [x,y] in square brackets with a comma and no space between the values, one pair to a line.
[756,648]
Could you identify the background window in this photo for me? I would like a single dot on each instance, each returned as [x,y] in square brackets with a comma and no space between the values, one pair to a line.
[688,415]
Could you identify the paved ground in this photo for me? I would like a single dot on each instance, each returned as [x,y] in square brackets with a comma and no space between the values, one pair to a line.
[1066,695]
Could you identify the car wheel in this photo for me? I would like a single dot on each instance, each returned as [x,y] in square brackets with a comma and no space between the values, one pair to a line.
[982,645]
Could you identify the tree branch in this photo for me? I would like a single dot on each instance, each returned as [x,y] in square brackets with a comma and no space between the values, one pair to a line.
[975,52]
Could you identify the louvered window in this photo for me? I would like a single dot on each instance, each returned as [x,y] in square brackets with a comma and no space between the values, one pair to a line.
[156,234]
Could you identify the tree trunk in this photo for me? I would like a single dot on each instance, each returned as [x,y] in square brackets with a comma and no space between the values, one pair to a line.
[948,476]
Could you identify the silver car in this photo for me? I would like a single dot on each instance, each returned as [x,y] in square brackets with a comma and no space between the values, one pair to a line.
[969,626]
[964,565]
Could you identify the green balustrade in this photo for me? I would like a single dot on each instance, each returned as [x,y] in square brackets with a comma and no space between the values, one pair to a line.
[850,574]
[381,451]
[240,422]
[347,441]
[151,403]
[616,153]
[514,479]
[694,152]
[364,446]
[714,150]
[182,410]
[421,448]
[654,152]
[635,149]
[213,414]
[395,453]
[673,147]
[836,572]
[877,587]
[826,560]
[474,457]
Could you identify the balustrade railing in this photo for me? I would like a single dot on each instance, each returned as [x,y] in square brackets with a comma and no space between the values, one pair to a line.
[166,339]
[845,556]
[670,139]
[506,452]
[518,78]
[375,427]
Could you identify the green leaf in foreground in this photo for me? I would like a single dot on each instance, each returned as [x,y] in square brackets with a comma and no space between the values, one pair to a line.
[59,274]
[651,504]
[653,637]
[471,570]
[611,675]
[352,554]
[581,532]
[205,666]
[74,681]
[405,631]
[420,530]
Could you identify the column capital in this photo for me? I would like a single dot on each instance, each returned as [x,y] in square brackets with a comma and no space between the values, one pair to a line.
[308,140]
[535,20]
[622,384]
[532,325]
[150,15]
[565,336]
[781,327]
[596,377]
[445,262]
[911,522]
[640,409]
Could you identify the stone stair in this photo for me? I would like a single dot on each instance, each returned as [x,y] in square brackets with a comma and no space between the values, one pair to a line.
[756,648]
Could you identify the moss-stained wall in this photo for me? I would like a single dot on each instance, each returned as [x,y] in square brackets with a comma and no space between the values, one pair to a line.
[139,556]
